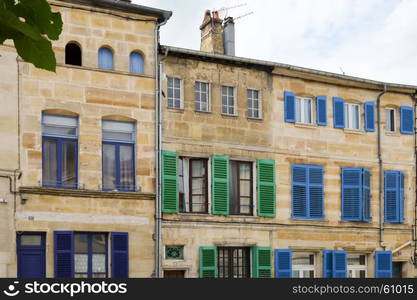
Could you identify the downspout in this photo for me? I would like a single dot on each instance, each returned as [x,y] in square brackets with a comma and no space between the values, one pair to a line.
[380,166]
[414,229]
[158,143]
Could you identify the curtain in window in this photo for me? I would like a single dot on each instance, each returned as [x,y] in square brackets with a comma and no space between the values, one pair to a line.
[136,63]
[68,163]
[245,187]
[126,168]
[49,162]
[109,166]
[198,186]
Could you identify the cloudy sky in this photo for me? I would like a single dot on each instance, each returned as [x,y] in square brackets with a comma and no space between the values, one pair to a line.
[375,39]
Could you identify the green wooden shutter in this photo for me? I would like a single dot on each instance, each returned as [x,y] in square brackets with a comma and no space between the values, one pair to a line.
[220,185]
[266,188]
[169,182]
[262,262]
[208,262]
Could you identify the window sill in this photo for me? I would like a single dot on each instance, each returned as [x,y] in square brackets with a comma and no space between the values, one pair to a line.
[306,220]
[393,134]
[255,119]
[353,131]
[203,112]
[230,116]
[175,110]
[305,125]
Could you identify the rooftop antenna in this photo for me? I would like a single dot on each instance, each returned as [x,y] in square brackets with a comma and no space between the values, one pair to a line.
[224,11]
[244,15]
[343,72]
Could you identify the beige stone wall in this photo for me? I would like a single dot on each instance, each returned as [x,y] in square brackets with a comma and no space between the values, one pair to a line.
[92,95]
[204,134]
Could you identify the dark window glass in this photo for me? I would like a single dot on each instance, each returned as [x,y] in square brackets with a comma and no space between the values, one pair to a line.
[73,54]
[233,262]
[241,188]
[397,268]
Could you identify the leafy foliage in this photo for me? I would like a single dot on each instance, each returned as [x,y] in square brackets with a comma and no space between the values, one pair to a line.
[31,25]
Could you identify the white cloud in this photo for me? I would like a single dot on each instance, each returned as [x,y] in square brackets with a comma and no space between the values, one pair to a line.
[367,38]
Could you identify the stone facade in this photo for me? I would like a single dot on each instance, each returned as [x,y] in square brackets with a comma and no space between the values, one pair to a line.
[92,95]
[204,134]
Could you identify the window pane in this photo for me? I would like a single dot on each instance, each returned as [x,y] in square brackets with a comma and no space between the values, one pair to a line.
[198,186]
[245,170]
[109,166]
[99,263]
[307,111]
[118,126]
[99,242]
[177,94]
[126,168]
[30,240]
[356,116]
[81,243]
[298,110]
[69,164]
[347,121]
[59,121]
[245,188]
[81,263]
[170,82]
[49,162]
[59,131]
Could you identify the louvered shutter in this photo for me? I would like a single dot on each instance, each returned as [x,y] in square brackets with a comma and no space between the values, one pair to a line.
[328,264]
[64,254]
[391,196]
[366,195]
[401,199]
[321,105]
[208,262]
[220,185]
[266,188]
[299,191]
[316,192]
[338,112]
[407,120]
[339,264]
[262,264]
[370,116]
[289,107]
[383,264]
[283,263]
[169,182]
[351,194]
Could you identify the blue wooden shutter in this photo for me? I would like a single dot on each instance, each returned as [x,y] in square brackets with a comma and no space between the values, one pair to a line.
[208,262]
[401,199]
[220,185]
[262,262]
[328,264]
[299,191]
[136,63]
[105,59]
[170,203]
[351,194]
[339,264]
[283,263]
[289,107]
[366,195]
[315,192]
[370,116]
[391,196]
[119,255]
[407,120]
[383,264]
[321,107]
[266,188]
[64,254]
[338,112]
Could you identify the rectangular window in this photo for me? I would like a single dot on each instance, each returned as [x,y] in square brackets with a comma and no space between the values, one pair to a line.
[202,96]
[352,116]
[119,156]
[241,188]
[233,262]
[303,110]
[357,266]
[193,185]
[303,265]
[228,100]
[90,255]
[254,107]
[175,93]
[59,151]
[397,270]
[390,119]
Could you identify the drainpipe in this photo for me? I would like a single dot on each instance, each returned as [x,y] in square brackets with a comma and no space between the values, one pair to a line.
[414,229]
[380,165]
[158,144]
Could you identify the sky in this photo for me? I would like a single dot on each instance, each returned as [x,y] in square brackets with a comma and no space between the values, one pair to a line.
[373,39]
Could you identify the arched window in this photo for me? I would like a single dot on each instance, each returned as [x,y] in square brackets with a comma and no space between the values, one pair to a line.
[73,54]
[105,58]
[136,63]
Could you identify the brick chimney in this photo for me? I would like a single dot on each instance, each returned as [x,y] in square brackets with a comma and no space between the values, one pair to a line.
[212,33]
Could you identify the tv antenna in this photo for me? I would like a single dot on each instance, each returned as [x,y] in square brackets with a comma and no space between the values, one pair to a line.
[224,11]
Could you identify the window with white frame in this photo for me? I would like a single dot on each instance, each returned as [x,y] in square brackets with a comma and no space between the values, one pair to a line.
[357,266]
[303,265]
[390,119]
[228,100]
[303,110]
[352,116]
[254,107]
[175,93]
[202,96]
